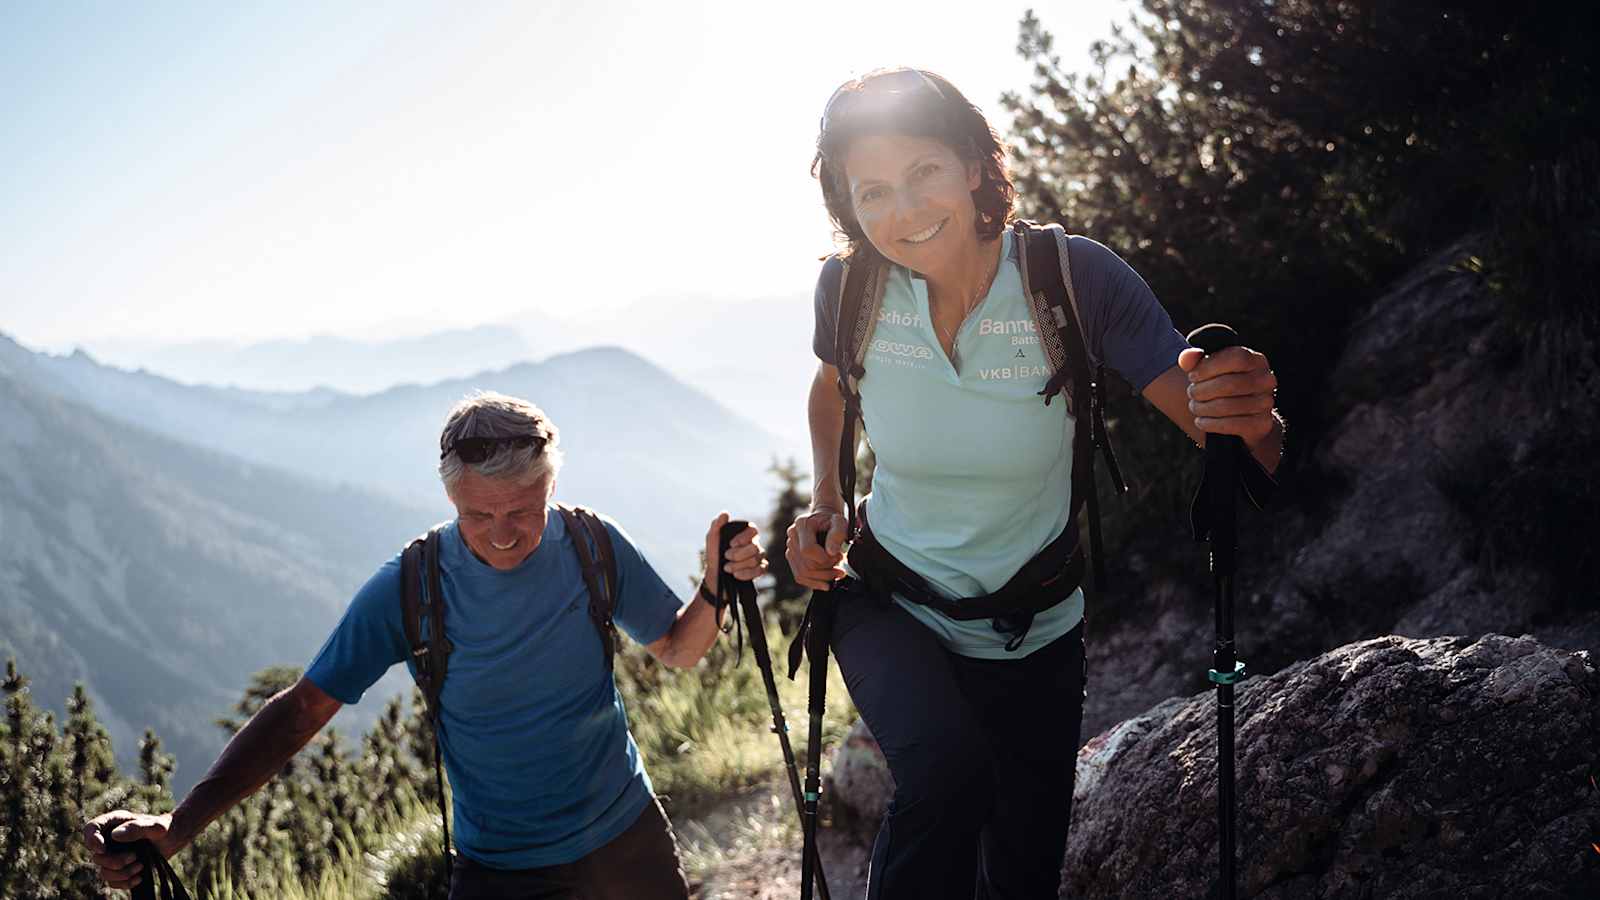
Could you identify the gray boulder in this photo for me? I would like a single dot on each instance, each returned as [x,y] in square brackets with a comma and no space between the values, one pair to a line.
[1392,767]
[857,782]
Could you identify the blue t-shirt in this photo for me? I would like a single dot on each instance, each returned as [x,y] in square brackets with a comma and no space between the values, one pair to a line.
[974,472]
[535,738]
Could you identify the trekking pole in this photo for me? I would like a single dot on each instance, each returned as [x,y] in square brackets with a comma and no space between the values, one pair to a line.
[1215,519]
[817,649]
[729,588]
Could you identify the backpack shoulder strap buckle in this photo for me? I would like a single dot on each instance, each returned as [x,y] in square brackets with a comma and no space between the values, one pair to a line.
[420,584]
[599,566]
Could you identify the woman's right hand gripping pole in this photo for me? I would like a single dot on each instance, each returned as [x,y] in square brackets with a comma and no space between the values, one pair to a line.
[815,549]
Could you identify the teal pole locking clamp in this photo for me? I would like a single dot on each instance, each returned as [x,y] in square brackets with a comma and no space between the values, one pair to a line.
[1233,677]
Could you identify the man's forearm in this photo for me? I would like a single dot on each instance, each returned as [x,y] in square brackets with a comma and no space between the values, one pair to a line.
[259,751]
[693,633]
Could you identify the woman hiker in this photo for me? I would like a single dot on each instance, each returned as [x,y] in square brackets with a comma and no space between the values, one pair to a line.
[978,718]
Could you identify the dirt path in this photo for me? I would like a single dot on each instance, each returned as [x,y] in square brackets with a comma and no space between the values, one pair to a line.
[749,849]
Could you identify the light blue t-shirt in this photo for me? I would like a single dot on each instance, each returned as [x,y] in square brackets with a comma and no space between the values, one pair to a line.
[535,738]
[974,472]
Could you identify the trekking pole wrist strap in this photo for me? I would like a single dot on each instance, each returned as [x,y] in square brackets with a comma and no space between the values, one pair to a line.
[709,596]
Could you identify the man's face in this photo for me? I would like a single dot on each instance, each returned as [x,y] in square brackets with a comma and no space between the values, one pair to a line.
[501,520]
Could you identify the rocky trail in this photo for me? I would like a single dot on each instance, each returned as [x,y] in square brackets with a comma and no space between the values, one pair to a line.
[748,848]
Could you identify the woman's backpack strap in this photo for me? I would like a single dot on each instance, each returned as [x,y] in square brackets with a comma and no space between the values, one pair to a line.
[861,285]
[1047,280]
[599,566]
[1094,365]
[1075,372]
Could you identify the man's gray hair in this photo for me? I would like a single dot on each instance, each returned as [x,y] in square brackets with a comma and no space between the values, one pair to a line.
[486,414]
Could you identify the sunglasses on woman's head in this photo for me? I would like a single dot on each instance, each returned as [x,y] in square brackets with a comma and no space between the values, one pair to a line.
[887,84]
[474,450]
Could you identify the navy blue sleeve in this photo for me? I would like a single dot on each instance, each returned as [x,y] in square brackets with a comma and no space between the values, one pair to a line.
[646,607]
[1127,327]
[367,641]
[826,301]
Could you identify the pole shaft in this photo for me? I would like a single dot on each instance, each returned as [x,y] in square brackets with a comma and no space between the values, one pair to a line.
[1223,660]
[758,645]
[817,650]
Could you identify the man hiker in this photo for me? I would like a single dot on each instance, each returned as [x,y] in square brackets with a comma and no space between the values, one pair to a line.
[550,797]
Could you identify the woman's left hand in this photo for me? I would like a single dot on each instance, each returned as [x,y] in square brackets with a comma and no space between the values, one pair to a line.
[1231,392]
[746,560]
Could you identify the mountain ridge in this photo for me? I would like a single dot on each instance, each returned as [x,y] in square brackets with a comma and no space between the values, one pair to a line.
[163,575]
[618,413]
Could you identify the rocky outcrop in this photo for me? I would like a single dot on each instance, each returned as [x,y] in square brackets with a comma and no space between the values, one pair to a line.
[858,782]
[1454,493]
[1392,767]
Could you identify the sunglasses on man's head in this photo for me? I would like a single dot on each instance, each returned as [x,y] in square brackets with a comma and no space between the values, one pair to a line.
[477,449]
[887,84]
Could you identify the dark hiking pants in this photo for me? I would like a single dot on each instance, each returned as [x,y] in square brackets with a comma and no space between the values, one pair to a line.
[982,752]
[639,864]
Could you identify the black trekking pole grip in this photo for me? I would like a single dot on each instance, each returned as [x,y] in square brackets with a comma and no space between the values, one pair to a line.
[733,529]
[727,585]
[1222,460]
[154,868]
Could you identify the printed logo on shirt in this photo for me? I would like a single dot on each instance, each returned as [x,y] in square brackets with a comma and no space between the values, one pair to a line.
[1011,373]
[1007,326]
[1022,332]
[906,351]
[894,317]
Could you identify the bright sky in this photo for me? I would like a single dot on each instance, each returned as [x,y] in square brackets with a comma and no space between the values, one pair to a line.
[188,170]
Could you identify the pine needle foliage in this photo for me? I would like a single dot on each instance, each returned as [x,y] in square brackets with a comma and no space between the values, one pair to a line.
[1277,164]
[318,829]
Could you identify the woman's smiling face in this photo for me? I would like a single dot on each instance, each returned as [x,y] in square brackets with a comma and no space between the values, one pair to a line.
[913,198]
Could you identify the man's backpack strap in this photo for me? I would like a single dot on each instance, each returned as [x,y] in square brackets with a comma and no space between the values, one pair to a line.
[599,571]
[430,655]
[861,287]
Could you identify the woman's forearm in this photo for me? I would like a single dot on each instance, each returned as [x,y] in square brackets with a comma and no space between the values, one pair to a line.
[825,411]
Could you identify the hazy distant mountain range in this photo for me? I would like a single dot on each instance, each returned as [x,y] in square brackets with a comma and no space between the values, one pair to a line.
[754,357]
[163,575]
[343,364]
[163,541]
[655,453]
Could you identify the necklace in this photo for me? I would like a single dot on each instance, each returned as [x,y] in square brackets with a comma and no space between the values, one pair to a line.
[969,306]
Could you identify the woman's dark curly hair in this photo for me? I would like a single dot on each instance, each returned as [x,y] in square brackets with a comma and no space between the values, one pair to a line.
[928,107]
